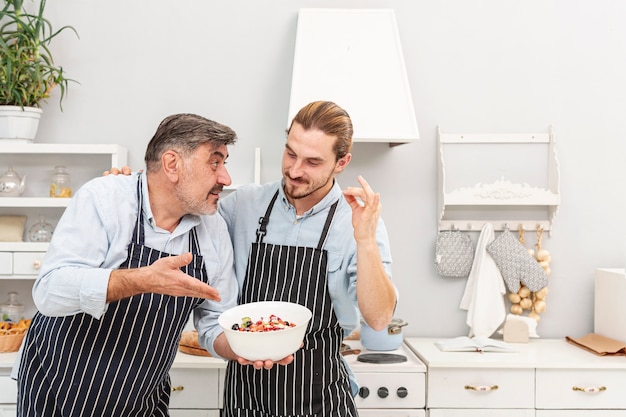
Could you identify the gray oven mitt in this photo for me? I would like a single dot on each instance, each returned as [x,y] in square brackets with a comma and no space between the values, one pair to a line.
[516,264]
[454,254]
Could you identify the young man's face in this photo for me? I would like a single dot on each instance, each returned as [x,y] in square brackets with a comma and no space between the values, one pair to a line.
[309,164]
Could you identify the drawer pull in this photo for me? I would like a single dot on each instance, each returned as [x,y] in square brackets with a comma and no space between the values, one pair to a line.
[37,264]
[589,389]
[179,388]
[482,388]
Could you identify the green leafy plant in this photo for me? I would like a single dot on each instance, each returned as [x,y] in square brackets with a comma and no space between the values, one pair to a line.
[28,73]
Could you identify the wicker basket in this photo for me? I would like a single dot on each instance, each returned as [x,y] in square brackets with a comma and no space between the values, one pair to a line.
[11,340]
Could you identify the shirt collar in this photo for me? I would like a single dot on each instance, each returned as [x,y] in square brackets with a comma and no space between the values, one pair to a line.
[187,222]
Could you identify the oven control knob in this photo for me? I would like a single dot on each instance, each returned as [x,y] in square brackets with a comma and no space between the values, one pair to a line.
[383,392]
[402,392]
[364,392]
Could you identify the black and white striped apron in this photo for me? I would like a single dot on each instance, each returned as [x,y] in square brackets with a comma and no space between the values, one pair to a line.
[316,383]
[117,365]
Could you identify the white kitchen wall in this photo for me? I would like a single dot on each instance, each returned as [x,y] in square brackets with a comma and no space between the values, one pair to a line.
[475,66]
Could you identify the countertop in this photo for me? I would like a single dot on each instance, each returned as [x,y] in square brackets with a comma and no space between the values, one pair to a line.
[182,360]
[538,353]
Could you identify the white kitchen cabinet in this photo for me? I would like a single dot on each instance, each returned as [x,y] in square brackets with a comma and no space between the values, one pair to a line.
[544,378]
[481,388]
[197,386]
[189,388]
[580,413]
[503,179]
[480,412]
[193,413]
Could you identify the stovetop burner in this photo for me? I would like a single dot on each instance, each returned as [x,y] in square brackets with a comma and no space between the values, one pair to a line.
[390,363]
[381,358]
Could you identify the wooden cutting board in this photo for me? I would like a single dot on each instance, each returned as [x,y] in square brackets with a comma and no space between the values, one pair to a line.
[189,344]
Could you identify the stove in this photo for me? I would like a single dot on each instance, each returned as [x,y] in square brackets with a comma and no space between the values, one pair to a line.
[395,388]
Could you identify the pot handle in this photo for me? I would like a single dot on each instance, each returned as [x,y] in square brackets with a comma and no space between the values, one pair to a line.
[396,328]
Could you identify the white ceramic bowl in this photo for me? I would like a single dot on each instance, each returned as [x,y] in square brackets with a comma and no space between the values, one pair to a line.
[272,345]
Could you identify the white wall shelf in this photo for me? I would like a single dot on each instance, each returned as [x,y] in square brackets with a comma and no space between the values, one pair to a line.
[34,202]
[35,163]
[20,261]
[508,180]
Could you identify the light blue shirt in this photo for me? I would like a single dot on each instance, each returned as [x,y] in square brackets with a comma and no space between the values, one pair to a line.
[92,238]
[243,208]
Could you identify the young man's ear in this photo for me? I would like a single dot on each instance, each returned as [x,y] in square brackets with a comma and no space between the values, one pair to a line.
[343,163]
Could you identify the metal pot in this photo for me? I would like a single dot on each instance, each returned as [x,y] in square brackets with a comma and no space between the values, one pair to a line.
[389,338]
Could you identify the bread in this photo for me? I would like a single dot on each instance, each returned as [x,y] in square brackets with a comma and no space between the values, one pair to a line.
[189,344]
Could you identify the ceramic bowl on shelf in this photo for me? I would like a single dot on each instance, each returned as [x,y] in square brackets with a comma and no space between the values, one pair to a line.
[270,344]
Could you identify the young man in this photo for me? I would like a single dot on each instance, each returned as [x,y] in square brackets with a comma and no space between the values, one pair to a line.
[302,239]
[131,258]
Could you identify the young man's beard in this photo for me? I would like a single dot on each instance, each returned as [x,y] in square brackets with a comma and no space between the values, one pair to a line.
[309,188]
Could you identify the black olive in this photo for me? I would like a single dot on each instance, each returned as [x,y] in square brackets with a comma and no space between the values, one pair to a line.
[235,326]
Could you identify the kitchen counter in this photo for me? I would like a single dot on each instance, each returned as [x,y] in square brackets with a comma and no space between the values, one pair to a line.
[182,360]
[543,378]
[197,387]
[538,353]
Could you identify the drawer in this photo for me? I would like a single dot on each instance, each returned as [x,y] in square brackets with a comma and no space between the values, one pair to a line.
[481,388]
[564,388]
[6,263]
[580,413]
[391,413]
[8,411]
[477,412]
[27,263]
[195,388]
[8,390]
[191,413]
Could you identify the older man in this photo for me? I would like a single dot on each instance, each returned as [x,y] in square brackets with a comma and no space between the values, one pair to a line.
[130,260]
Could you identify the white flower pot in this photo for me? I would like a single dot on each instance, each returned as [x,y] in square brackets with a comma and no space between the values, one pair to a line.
[19,124]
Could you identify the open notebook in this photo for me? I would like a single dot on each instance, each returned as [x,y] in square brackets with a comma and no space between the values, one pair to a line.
[474,344]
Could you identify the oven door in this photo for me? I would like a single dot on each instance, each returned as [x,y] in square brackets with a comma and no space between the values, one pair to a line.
[377,412]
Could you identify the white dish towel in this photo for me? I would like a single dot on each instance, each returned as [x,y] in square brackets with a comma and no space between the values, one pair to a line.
[484,291]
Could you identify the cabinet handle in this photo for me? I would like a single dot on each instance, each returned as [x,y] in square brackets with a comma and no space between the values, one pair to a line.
[37,264]
[179,388]
[589,389]
[481,388]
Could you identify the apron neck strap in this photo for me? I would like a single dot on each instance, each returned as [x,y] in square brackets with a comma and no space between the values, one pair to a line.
[263,221]
[138,232]
[329,220]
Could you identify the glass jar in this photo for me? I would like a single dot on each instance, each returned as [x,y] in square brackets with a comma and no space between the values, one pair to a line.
[60,183]
[12,310]
[40,231]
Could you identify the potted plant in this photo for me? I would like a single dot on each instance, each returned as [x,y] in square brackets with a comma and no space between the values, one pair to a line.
[28,73]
